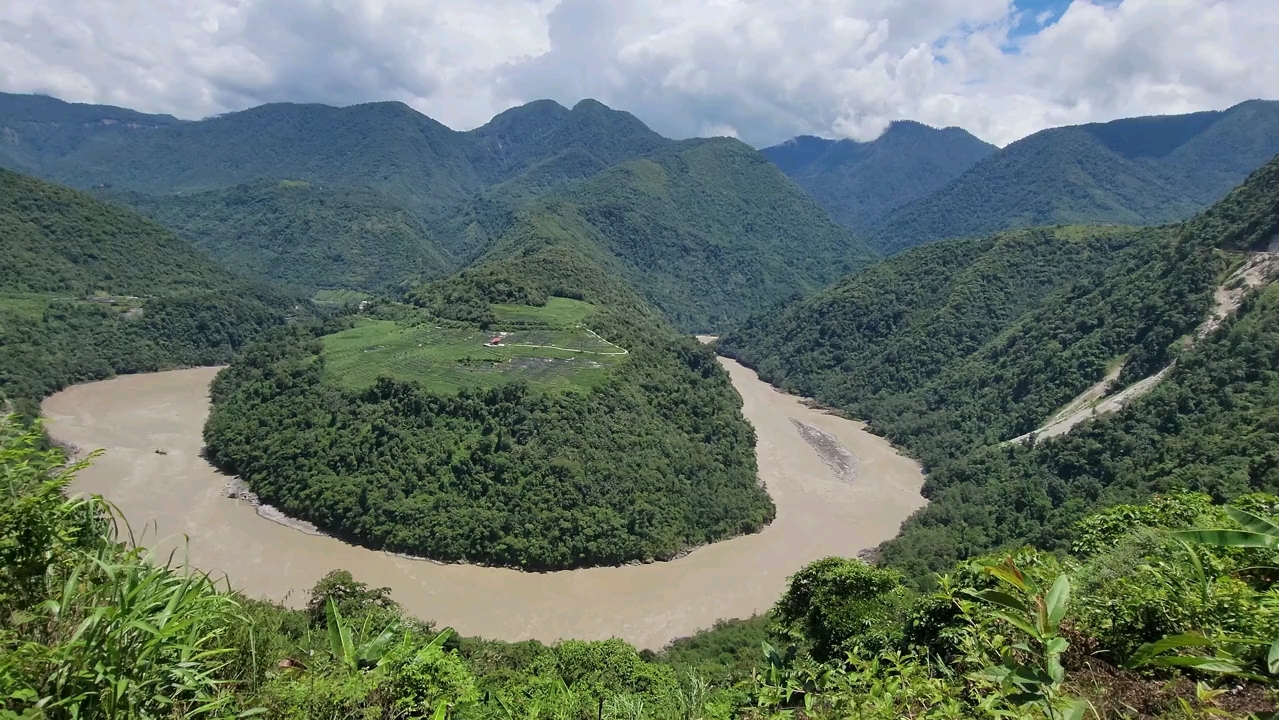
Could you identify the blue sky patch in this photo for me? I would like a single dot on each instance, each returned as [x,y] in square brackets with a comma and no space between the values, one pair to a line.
[1035,15]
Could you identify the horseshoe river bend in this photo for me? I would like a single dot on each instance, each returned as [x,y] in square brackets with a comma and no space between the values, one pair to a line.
[838,490]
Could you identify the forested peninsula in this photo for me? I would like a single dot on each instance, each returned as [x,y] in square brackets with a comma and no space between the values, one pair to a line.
[637,461]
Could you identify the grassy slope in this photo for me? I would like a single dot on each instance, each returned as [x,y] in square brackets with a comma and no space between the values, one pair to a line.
[546,347]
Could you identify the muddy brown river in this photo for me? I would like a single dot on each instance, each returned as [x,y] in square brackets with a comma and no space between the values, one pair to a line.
[839,491]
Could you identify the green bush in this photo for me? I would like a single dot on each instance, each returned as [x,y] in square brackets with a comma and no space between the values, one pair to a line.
[844,606]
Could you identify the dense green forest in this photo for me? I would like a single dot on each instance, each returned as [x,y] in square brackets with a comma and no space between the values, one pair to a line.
[651,461]
[992,341]
[712,232]
[974,342]
[1136,171]
[859,182]
[301,235]
[88,290]
[1141,619]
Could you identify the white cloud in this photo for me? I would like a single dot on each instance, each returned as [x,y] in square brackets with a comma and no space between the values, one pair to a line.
[761,69]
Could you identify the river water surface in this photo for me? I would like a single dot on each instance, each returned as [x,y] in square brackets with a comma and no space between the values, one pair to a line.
[177,500]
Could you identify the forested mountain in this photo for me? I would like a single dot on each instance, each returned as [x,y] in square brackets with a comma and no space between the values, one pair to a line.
[711,232]
[386,146]
[859,182]
[365,197]
[88,289]
[654,459]
[38,130]
[1136,171]
[952,348]
[302,235]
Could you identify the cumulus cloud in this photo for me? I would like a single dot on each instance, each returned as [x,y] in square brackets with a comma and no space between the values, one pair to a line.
[759,69]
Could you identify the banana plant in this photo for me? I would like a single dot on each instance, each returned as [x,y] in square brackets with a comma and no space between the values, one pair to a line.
[1038,615]
[372,650]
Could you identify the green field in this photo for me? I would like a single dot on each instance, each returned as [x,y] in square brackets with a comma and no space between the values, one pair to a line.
[559,354]
[27,305]
[338,297]
[558,312]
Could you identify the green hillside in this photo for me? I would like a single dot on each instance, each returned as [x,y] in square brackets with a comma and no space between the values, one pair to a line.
[88,289]
[1137,171]
[575,462]
[712,232]
[37,129]
[985,348]
[302,235]
[859,182]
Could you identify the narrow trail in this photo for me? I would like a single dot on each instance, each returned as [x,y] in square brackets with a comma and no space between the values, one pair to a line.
[1260,269]
[622,350]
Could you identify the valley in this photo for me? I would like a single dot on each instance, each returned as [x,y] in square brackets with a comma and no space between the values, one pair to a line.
[402,421]
[177,502]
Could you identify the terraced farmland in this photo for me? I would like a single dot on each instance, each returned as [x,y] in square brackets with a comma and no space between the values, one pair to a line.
[446,359]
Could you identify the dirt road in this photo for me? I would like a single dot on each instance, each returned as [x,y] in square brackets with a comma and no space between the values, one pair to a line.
[175,494]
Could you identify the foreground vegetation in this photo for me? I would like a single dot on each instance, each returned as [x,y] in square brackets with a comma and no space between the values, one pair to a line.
[1136,621]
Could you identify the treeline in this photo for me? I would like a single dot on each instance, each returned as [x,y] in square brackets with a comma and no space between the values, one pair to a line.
[1143,618]
[654,461]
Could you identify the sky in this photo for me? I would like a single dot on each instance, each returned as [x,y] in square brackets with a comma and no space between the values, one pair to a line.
[760,70]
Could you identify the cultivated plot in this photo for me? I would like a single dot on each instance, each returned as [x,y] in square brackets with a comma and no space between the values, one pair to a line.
[545,347]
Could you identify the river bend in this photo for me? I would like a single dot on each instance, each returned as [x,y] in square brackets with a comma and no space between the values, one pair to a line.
[177,500]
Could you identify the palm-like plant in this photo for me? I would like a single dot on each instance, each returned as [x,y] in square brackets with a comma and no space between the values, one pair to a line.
[365,650]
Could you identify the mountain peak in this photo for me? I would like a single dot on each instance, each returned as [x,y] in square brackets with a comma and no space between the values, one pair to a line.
[858,182]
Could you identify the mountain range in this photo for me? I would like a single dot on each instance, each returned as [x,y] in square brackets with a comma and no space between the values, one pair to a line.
[916,184]
[377,196]
[373,196]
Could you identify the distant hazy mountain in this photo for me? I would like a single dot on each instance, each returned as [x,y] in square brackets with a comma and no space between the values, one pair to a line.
[386,145]
[1134,171]
[859,182]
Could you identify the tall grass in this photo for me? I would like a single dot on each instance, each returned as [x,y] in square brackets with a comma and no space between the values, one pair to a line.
[97,628]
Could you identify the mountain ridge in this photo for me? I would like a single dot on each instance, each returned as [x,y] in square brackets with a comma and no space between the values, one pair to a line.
[859,182]
[1146,171]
